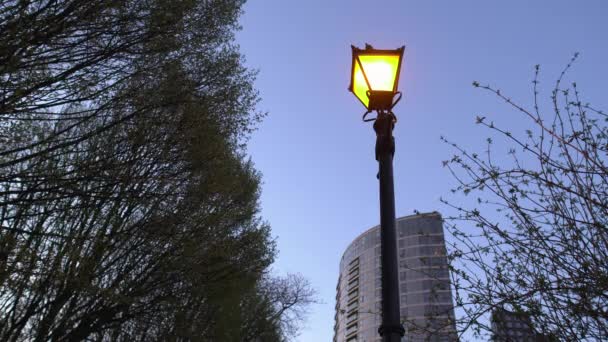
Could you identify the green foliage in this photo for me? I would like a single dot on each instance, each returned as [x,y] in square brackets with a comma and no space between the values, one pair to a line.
[128,209]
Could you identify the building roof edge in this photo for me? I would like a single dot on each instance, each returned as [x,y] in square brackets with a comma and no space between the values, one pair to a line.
[402,218]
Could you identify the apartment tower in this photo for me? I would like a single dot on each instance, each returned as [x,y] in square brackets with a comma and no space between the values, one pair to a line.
[426,304]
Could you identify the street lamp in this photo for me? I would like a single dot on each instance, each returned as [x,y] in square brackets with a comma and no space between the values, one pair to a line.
[375,77]
[374,81]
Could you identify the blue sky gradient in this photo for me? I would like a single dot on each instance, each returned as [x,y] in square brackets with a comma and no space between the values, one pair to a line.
[317,156]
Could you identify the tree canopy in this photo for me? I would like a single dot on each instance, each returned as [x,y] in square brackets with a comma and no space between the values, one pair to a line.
[128,208]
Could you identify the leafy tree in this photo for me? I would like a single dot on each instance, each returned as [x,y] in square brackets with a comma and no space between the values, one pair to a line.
[540,242]
[128,209]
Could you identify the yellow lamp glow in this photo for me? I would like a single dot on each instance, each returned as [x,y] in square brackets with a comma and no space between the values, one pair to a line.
[375,76]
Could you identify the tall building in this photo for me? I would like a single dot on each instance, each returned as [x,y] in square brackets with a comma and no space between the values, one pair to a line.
[424,287]
[509,326]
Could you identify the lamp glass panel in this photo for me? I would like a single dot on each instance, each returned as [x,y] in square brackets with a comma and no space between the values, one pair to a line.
[381,71]
[360,87]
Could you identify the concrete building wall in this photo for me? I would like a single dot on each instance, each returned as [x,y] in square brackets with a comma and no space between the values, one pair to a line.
[425,295]
[510,326]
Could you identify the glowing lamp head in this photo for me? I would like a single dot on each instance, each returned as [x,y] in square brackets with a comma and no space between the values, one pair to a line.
[375,76]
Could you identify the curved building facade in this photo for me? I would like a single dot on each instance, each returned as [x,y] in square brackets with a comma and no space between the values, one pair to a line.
[425,296]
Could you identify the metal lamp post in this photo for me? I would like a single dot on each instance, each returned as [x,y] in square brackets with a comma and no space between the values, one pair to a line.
[374,81]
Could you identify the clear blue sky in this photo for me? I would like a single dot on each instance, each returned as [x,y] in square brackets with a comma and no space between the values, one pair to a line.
[317,156]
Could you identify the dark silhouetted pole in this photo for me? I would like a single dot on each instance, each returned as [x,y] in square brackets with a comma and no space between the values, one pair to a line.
[391,329]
